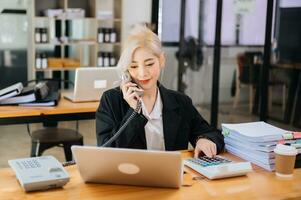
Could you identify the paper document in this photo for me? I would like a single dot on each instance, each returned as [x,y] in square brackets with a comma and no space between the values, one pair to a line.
[250,146]
[254,131]
[266,164]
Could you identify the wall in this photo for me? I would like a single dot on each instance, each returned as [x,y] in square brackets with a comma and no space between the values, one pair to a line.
[13,37]
[13,43]
[135,11]
[169,74]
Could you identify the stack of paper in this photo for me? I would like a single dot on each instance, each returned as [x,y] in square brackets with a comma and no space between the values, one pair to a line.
[254,141]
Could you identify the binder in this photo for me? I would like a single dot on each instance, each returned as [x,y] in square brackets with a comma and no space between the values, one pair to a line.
[51,100]
[28,94]
[21,98]
[11,91]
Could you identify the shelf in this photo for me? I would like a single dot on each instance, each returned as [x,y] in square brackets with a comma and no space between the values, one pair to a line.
[79,18]
[78,43]
[63,18]
[83,30]
[109,20]
[110,43]
[67,43]
[46,44]
[46,18]
[60,68]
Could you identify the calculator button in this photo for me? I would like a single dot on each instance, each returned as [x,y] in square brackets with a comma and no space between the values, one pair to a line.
[206,161]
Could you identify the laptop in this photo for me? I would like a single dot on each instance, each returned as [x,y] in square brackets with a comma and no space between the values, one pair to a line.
[129,166]
[91,82]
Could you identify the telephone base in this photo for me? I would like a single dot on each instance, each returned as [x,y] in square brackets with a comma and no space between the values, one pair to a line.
[39,173]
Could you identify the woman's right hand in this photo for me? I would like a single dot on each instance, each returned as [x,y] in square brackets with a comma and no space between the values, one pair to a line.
[130,95]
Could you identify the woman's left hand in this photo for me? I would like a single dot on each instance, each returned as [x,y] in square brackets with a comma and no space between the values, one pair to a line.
[206,146]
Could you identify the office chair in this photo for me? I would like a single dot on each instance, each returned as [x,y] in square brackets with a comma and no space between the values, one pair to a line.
[52,136]
[247,74]
[49,137]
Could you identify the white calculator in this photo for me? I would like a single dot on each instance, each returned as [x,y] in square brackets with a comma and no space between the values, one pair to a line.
[218,167]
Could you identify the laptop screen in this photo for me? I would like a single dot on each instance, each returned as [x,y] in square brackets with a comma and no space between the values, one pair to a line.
[91,82]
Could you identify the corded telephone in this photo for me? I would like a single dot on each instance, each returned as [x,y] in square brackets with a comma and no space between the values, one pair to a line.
[126,77]
[39,173]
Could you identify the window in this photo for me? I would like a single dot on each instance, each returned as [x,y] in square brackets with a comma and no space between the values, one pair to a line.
[251,25]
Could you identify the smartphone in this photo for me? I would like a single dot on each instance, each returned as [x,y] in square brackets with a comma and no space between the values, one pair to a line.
[126,77]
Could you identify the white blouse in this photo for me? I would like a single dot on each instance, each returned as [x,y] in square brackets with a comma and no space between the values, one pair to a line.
[154,127]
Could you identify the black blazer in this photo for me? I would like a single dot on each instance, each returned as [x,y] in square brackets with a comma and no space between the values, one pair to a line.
[181,122]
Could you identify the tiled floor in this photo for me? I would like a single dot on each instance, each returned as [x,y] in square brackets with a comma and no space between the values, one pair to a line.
[15,142]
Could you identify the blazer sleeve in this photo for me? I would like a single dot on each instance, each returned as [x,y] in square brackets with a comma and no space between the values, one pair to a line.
[200,128]
[109,118]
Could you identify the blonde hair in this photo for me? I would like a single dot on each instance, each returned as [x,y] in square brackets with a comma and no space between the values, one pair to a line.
[140,36]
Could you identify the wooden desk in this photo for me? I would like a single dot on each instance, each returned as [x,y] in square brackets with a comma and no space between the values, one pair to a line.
[64,111]
[259,184]
[287,65]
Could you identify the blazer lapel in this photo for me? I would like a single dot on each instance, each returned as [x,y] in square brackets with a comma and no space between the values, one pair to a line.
[171,118]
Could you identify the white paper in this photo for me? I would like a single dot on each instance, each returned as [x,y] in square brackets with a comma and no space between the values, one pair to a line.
[255,131]
[268,164]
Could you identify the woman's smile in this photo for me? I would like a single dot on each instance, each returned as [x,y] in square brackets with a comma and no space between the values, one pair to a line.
[144,82]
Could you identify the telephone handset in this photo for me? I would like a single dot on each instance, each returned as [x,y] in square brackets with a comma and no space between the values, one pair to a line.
[126,77]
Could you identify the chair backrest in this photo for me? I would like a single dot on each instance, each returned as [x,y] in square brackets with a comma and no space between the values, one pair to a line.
[248,67]
[240,59]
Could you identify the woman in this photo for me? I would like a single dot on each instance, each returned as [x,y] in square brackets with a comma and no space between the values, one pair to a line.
[167,119]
